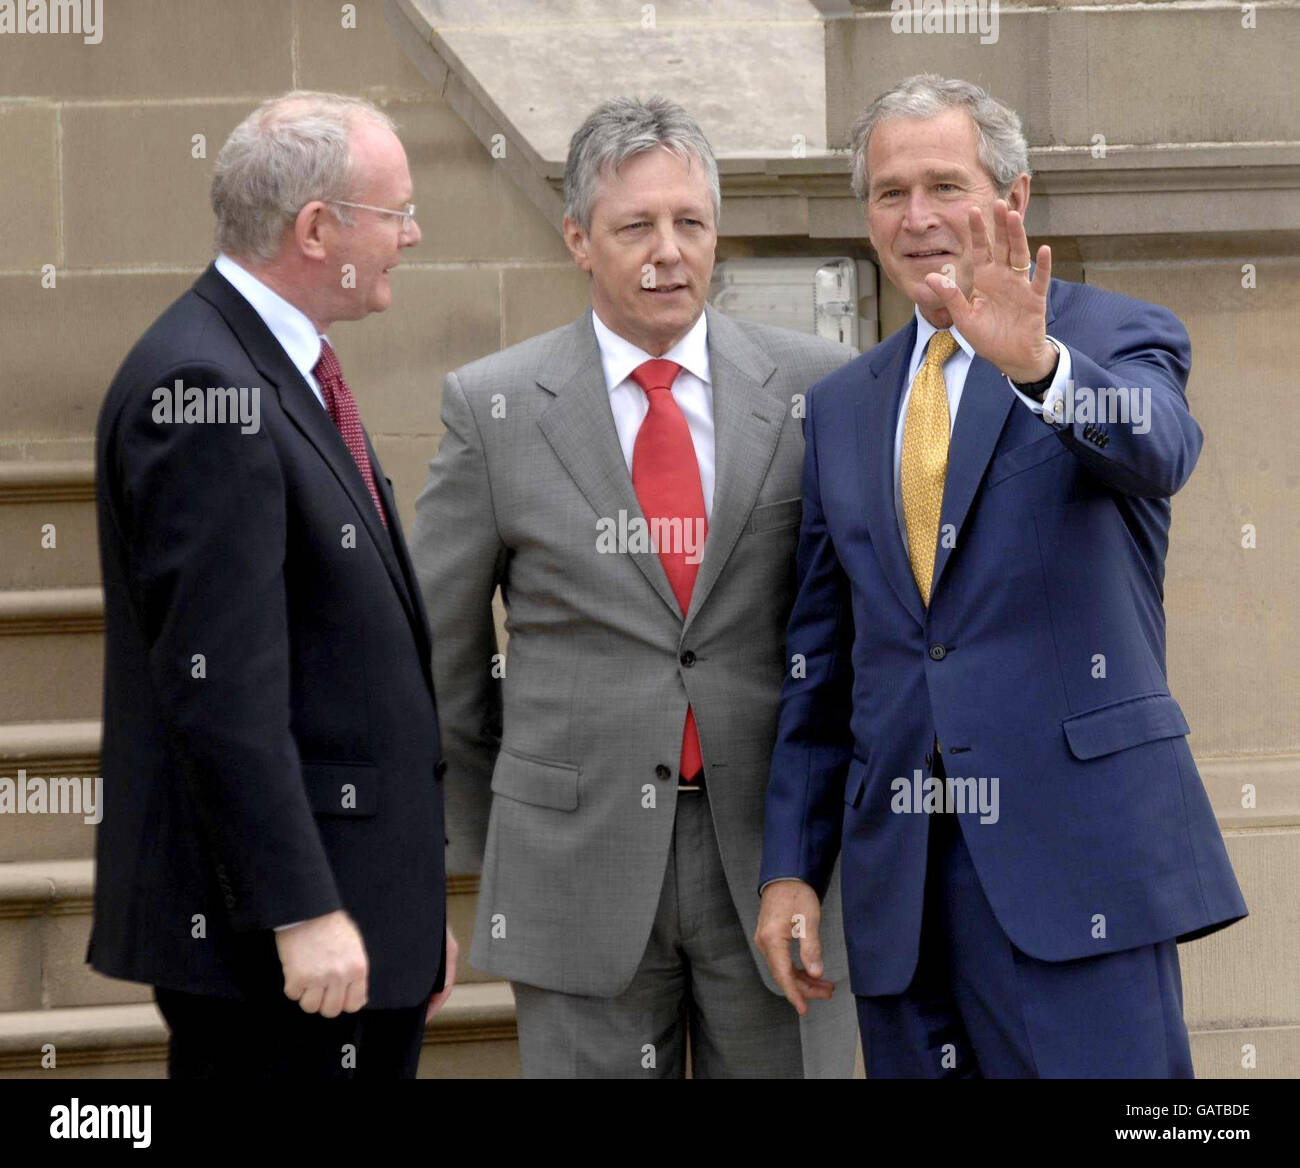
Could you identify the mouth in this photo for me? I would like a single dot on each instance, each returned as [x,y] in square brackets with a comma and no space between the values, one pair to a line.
[930,253]
[665,289]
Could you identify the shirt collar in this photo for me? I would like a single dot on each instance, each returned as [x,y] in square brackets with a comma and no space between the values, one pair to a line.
[925,330]
[289,325]
[619,356]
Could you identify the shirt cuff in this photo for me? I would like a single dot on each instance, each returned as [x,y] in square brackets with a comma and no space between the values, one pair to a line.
[1052,407]
[281,928]
[778,880]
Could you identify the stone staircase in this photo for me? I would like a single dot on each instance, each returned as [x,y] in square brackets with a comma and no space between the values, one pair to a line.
[58,1017]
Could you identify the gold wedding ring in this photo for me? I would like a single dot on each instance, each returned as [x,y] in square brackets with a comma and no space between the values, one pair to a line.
[1016,269]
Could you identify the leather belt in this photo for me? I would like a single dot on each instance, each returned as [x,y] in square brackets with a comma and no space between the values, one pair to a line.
[696,784]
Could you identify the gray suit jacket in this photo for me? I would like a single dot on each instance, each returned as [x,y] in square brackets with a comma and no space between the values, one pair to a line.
[562,762]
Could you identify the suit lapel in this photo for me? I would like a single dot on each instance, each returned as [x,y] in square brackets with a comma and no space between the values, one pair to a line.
[986,403]
[579,425]
[877,418]
[303,408]
[747,422]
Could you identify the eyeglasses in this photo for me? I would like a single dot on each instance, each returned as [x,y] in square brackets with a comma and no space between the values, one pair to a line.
[407,213]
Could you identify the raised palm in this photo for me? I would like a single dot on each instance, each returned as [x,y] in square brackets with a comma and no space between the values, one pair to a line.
[1005,316]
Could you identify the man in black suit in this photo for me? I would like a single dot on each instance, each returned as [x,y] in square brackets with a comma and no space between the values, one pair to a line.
[271,856]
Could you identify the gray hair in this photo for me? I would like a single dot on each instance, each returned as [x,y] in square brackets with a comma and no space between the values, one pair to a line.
[288,152]
[621,128]
[1003,151]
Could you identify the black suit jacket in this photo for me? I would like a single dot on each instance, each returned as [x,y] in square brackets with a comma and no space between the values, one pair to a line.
[271,747]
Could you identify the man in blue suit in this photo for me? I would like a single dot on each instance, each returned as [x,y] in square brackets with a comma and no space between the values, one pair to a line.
[977,718]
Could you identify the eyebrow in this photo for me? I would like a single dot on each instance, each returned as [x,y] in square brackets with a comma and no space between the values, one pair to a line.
[934,174]
[695,211]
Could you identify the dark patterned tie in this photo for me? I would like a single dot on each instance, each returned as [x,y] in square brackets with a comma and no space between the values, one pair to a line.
[342,408]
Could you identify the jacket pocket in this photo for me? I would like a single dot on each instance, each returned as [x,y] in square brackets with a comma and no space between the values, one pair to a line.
[349,789]
[1024,457]
[1124,724]
[530,780]
[772,516]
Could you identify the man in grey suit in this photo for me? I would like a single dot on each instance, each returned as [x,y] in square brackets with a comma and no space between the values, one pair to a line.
[631,482]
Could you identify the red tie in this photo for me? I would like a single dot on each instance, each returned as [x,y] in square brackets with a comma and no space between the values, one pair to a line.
[342,408]
[666,478]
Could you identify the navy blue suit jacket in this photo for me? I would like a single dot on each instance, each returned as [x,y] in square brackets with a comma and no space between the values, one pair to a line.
[1040,661]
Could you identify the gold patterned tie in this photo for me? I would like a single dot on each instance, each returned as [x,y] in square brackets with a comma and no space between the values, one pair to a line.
[925,459]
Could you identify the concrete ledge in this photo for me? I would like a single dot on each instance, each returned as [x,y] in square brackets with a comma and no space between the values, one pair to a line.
[1219,1054]
[47,750]
[46,482]
[52,610]
[31,888]
[49,746]
[1276,795]
[135,1036]
[82,1034]
[132,1040]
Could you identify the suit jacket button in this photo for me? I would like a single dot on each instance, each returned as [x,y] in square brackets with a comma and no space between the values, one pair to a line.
[440,768]
[687,658]
[938,652]
[663,772]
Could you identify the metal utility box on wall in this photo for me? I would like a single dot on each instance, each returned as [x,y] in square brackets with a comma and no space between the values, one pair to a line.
[833,297]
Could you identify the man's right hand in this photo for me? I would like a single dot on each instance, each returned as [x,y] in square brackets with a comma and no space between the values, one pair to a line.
[790,910]
[325,966]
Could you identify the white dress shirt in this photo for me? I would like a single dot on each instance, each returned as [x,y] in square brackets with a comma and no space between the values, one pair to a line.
[954,376]
[692,391]
[289,325]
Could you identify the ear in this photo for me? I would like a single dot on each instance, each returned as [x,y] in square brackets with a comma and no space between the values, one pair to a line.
[309,228]
[1018,195]
[575,239]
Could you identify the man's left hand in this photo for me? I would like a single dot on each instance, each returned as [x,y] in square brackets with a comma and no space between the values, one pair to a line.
[439,999]
[1005,318]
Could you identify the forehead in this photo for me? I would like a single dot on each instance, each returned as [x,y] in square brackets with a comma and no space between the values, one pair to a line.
[377,154]
[653,176]
[948,139]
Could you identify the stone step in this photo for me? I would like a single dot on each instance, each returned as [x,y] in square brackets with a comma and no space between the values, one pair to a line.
[45,919]
[48,750]
[473,1038]
[44,927]
[51,654]
[47,525]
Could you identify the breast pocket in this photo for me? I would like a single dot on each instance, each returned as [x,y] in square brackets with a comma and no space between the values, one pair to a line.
[529,780]
[775,516]
[1025,457]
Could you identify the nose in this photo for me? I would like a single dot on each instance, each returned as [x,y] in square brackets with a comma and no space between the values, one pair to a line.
[664,250]
[918,214]
[412,236]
